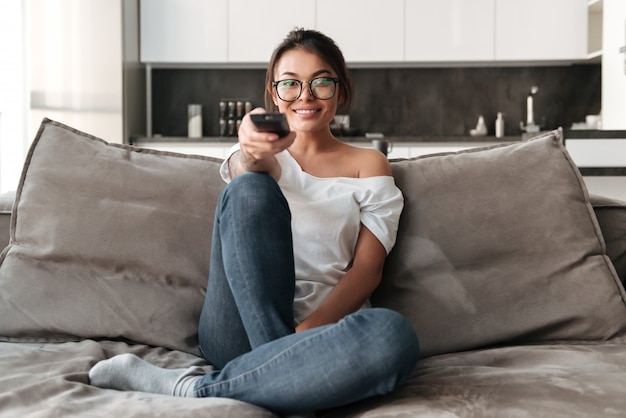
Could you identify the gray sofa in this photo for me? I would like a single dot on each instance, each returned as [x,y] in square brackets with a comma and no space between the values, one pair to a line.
[510,273]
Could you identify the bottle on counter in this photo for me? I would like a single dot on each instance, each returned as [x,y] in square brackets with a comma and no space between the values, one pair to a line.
[499,126]
[194,121]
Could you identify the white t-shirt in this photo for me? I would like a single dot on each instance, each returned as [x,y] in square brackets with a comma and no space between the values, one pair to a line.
[327,214]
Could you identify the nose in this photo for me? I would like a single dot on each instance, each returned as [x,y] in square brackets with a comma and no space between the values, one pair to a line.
[306,93]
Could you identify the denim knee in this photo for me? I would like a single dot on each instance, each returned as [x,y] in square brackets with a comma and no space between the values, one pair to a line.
[395,345]
[257,192]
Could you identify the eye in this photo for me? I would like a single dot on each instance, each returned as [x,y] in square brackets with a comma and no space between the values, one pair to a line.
[322,82]
[288,83]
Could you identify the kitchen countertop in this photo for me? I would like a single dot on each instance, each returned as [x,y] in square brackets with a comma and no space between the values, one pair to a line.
[619,135]
[590,134]
[394,138]
[349,139]
[410,141]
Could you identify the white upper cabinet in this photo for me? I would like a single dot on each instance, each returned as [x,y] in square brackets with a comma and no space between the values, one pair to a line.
[528,30]
[614,65]
[365,30]
[183,31]
[449,30]
[256,27]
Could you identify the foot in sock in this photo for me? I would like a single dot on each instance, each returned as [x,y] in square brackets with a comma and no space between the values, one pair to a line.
[129,372]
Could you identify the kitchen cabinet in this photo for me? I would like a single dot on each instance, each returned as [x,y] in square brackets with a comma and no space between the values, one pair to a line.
[246,31]
[256,27]
[183,31]
[449,30]
[597,152]
[418,149]
[531,30]
[366,31]
[496,30]
[399,150]
[614,65]
[609,186]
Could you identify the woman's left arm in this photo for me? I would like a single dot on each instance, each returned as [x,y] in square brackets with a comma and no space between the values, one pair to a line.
[358,283]
[355,287]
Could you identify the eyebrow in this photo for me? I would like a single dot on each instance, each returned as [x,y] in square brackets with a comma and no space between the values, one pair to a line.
[315,74]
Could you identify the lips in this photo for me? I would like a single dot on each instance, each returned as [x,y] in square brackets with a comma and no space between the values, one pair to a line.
[306,111]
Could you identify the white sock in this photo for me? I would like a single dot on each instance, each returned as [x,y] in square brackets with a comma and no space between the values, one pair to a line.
[129,372]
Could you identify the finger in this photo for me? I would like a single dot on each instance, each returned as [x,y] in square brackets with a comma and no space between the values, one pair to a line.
[257,110]
[284,142]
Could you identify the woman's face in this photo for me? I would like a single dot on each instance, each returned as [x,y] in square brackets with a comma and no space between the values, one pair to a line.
[307,113]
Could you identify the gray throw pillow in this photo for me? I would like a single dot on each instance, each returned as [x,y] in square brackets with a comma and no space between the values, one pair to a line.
[107,241]
[500,245]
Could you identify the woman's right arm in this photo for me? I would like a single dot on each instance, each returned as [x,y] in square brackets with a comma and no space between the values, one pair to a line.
[258,149]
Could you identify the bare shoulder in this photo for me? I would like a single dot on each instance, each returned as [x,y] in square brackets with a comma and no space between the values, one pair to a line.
[371,162]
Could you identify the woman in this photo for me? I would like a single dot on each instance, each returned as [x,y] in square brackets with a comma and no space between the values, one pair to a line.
[283,320]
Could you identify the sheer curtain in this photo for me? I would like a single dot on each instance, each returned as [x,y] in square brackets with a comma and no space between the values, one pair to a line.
[75,60]
[60,59]
[13,104]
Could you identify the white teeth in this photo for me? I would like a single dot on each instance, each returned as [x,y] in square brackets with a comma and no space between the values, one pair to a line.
[305,111]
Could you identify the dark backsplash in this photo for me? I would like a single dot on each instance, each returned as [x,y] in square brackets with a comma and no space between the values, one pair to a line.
[400,101]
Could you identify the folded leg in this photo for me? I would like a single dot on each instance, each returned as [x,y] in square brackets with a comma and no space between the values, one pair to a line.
[249,299]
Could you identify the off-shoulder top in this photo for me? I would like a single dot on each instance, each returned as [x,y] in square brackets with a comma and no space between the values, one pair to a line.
[327,214]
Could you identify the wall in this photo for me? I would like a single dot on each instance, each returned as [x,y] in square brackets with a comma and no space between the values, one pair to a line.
[614,65]
[400,101]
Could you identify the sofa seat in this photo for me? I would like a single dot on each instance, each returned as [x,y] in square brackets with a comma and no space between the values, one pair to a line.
[566,380]
[552,380]
[51,380]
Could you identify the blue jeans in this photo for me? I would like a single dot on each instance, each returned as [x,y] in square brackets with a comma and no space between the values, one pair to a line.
[247,329]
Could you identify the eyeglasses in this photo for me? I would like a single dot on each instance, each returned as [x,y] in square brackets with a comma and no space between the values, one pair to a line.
[322,88]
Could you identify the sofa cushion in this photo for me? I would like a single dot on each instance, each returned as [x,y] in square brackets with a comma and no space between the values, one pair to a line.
[500,245]
[611,214]
[108,241]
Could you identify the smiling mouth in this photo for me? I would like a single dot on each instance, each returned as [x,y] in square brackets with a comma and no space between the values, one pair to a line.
[306,111]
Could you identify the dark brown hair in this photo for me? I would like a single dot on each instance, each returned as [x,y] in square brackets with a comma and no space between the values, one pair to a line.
[322,46]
